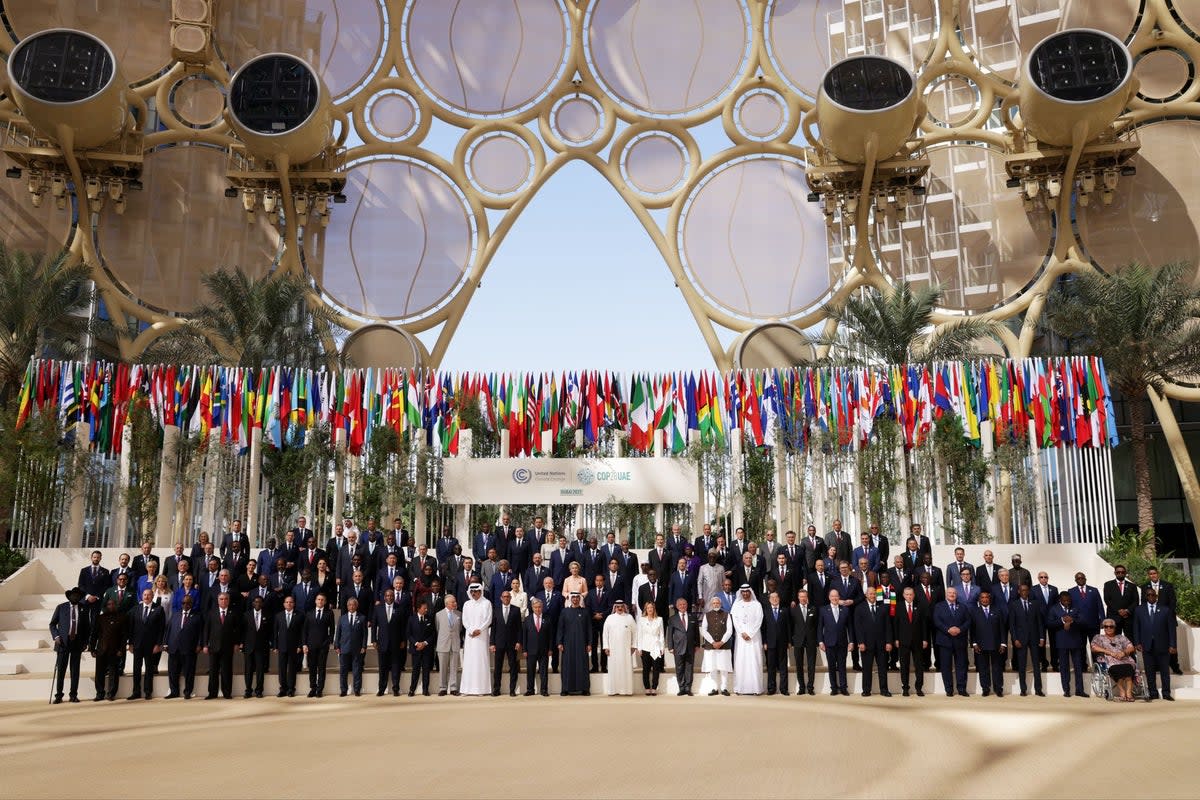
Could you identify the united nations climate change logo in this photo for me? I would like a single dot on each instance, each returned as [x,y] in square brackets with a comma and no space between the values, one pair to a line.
[585,476]
[522,475]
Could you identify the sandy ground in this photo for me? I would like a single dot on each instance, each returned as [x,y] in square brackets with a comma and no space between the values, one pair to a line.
[629,747]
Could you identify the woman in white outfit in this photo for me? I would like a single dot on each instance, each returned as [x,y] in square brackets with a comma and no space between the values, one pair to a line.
[715,633]
[520,600]
[651,643]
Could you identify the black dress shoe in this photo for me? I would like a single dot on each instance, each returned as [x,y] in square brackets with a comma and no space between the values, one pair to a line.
[425,693]
[441,692]
[98,698]
[589,694]
[987,692]
[904,692]
[358,693]
[187,696]
[920,692]
[281,693]
[1170,697]
[58,700]
[886,693]
[784,692]
[866,694]
[529,694]
[455,693]
[246,695]
[713,693]
[725,693]
[495,693]
[770,692]
[171,695]
[411,693]
[135,696]
[320,693]
[291,693]
[112,697]
[545,694]
[1040,693]
[513,693]
[312,692]
[999,693]
[210,697]
[1066,694]
[342,693]
[379,693]
[845,692]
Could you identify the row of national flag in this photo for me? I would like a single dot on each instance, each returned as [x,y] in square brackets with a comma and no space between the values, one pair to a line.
[1066,399]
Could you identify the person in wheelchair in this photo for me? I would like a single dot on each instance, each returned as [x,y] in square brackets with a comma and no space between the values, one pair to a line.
[1115,653]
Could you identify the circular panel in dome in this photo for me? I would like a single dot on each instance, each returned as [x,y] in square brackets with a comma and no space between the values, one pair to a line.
[952,100]
[342,39]
[752,242]
[654,163]
[577,120]
[971,236]
[804,41]
[41,229]
[400,245]
[179,227]
[772,346]
[1163,74]
[135,30]
[198,101]
[382,346]
[1155,216]
[500,164]
[667,57]
[1111,16]
[392,115]
[760,114]
[484,58]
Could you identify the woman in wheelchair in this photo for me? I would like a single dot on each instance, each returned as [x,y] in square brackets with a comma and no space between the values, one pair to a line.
[1115,652]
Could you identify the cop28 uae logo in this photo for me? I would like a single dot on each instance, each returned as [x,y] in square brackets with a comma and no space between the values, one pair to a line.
[522,475]
[585,476]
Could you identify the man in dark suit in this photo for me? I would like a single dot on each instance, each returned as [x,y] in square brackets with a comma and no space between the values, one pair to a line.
[318,636]
[1155,637]
[140,561]
[784,576]
[350,643]
[289,645]
[923,544]
[504,533]
[1089,606]
[443,548]
[599,604]
[928,593]
[676,542]
[839,539]
[147,632]
[184,630]
[501,582]
[881,545]
[776,637]
[873,637]
[421,560]
[422,637]
[987,573]
[614,580]
[680,585]
[1120,599]
[386,576]
[1062,623]
[70,629]
[1166,597]
[899,576]
[93,582]
[911,638]
[952,626]
[683,637]
[532,579]
[257,631]
[1027,627]
[912,556]
[1044,595]
[747,572]
[171,565]
[388,637]
[537,639]
[865,550]
[221,637]
[803,629]
[520,551]
[812,548]
[484,541]
[934,572]
[833,637]
[309,555]
[505,643]
[989,640]
[819,585]
[653,592]
[660,560]
[954,570]
[539,533]
[704,542]
[235,533]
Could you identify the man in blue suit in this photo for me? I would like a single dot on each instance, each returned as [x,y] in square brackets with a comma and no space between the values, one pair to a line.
[1089,606]
[70,628]
[865,550]
[93,582]
[351,646]
[968,590]
[183,643]
[954,569]
[833,638]
[1062,623]
[1154,635]
[1045,594]
[388,630]
[951,625]
[989,638]
[484,540]
[681,585]
[1027,625]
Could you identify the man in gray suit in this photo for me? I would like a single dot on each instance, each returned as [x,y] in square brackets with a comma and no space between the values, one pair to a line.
[449,645]
[683,637]
[351,646]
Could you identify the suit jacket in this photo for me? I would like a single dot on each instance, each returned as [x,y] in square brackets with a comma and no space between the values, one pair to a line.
[1115,600]
[289,638]
[923,544]
[817,594]
[1089,606]
[559,560]
[1039,597]
[872,629]
[869,553]
[387,634]
[938,594]
[449,637]
[968,595]
[183,633]
[683,586]
[60,627]
[596,604]
[383,581]
[881,544]
[124,604]
[351,637]
[785,584]
[945,618]
[911,633]
[989,631]
[803,626]
[361,592]
[318,633]
[227,540]
[138,564]
[221,637]
[842,542]
[954,573]
[443,548]
[482,542]
[1060,636]
[998,598]
[423,630]
[506,635]
[854,592]
[260,640]
[520,554]
[93,586]
[662,565]
[682,641]
[776,633]
[1026,627]
[1166,594]
[531,581]
[811,549]
[501,582]
[1154,634]
[985,576]
[701,546]
[416,566]
[900,578]
[147,631]
[535,642]
[308,560]
[171,570]
[647,595]
[831,632]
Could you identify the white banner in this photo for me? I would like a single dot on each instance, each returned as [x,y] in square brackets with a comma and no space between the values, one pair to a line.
[569,480]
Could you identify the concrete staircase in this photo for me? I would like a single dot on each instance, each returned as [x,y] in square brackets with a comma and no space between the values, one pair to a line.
[28,599]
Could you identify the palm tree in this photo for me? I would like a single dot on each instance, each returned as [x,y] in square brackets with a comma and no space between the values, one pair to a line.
[251,323]
[1145,324]
[44,303]
[895,328]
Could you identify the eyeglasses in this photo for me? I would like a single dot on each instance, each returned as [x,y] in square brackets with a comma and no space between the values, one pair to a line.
[1108,626]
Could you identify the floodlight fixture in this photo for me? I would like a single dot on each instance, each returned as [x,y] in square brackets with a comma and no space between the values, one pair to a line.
[278,105]
[865,100]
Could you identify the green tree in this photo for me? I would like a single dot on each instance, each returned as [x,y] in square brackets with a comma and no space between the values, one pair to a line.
[1145,324]
[896,327]
[251,322]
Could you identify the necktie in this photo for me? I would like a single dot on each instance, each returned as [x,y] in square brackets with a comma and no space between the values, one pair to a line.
[782,573]
[537,623]
[257,620]
[318,615]
[909,612]
[222,617]
[504,615]
[872,609]
[985,612]
[288,618]
[776,615]
[145,613]
[953,608]
[835,613]
[1151,609]
[1025,605]
[71,632]
[351,620]
[94,573]
[120,596]
[389,613]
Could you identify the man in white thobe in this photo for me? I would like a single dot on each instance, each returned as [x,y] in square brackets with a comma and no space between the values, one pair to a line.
[619,639]
[477,622]
[747,616]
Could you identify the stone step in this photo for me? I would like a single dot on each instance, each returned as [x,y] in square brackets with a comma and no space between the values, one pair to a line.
[26,619]
[34,602]
[24,640]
